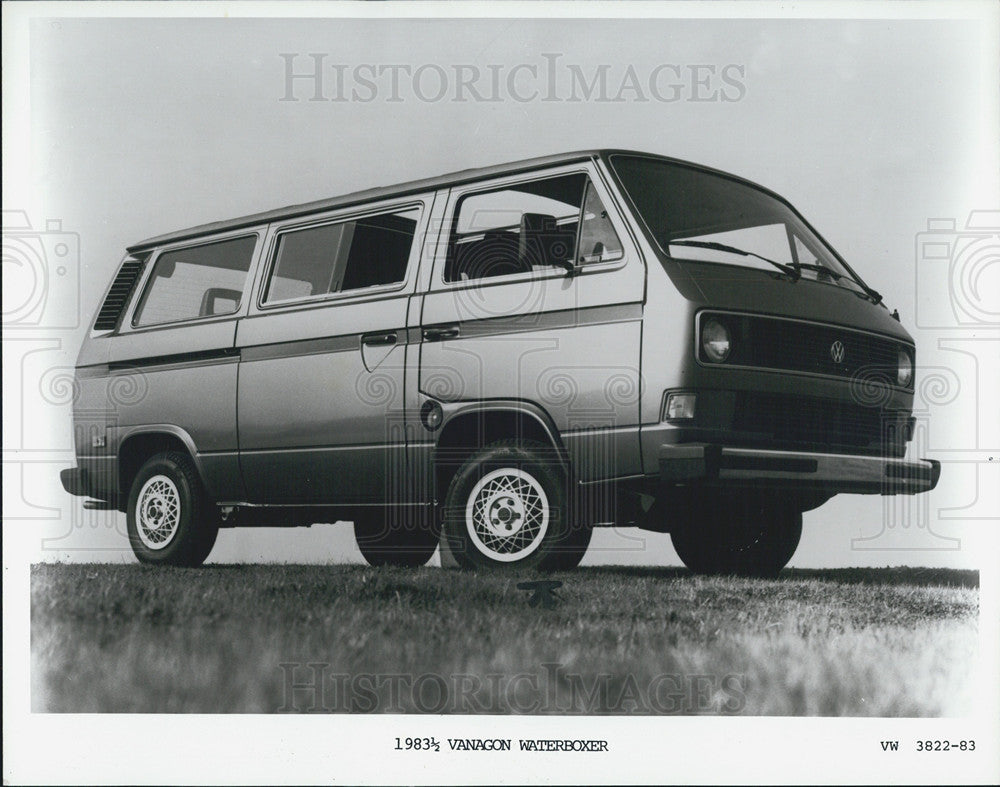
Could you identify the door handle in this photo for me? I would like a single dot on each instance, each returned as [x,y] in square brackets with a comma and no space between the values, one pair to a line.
[376,339]
[440,332]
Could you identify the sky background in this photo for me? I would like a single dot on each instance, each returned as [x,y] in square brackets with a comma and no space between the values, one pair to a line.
[869,127]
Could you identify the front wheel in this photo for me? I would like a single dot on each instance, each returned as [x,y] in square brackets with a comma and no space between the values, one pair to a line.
[383,544]
[169,519]
[506,507]
[750,536]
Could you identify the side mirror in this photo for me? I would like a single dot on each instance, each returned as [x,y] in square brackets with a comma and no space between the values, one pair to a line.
[570,265]
[596,255]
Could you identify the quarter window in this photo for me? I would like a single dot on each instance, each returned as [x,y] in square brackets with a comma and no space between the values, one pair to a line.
[598,239]
[199,281]
[524,228]
[347,255]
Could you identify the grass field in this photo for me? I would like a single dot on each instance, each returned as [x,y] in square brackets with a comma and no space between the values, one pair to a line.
[866,642]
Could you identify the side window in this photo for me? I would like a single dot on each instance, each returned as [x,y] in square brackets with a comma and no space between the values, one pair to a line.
[803,253]
[347,255]
[529,227]
[598,240]
[199,281]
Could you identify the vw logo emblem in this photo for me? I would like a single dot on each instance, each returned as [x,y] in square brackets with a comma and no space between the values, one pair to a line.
[837,351]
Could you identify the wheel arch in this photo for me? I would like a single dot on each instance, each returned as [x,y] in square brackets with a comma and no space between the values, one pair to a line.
[140,444]
[471,426]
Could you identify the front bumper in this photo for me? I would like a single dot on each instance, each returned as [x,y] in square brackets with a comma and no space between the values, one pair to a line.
[716,465]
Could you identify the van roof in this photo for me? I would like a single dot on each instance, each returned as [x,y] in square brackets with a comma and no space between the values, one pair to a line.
[401,189]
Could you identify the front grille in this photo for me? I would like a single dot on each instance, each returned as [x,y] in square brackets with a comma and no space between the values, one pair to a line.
[772,343]
[802,422]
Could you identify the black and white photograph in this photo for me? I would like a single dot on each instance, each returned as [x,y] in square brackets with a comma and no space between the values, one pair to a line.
[516,392]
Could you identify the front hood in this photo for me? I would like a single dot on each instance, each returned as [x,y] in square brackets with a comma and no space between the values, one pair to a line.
[750,289]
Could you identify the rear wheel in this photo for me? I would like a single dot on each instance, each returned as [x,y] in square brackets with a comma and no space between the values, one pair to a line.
[382,544]
[752,536]
[170,520]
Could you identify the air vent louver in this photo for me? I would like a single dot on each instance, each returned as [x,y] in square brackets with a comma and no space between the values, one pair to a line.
[118,295]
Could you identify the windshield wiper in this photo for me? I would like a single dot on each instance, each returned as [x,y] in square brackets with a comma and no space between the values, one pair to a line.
[788,270]
[875,296]
[794,270]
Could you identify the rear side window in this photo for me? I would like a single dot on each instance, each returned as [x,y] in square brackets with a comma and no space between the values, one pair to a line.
[199,281]
[348,255]
[536,226]
[119,294]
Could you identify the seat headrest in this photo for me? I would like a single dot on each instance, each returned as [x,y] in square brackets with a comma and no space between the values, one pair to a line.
[532,238]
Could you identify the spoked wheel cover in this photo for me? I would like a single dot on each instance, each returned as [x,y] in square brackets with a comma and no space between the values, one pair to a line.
[507,514]
[158,512]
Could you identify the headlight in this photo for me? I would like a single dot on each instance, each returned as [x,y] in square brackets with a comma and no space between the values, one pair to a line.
[715,341]
[905,374]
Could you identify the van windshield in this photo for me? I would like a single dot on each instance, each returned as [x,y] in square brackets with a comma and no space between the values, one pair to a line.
[701,216]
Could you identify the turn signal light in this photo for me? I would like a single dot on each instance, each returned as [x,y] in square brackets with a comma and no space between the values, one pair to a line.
[680,406]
